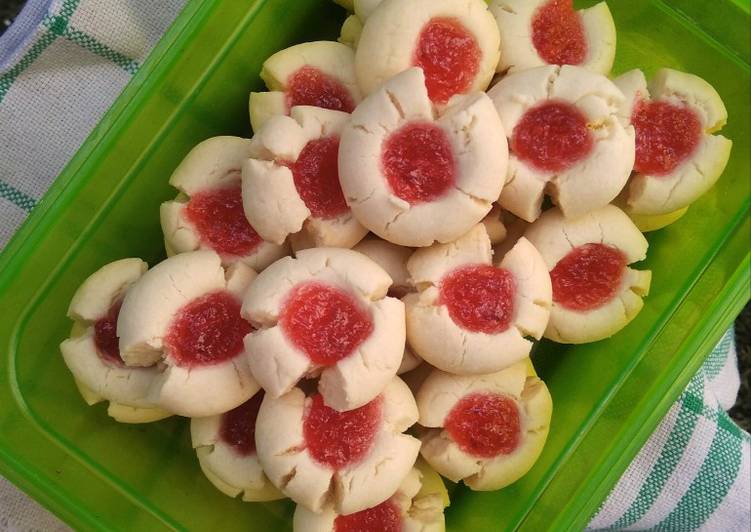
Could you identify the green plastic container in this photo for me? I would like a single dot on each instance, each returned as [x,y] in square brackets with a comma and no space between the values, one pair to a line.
[99,475]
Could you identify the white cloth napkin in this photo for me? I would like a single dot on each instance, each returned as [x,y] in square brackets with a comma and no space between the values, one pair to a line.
[62,64]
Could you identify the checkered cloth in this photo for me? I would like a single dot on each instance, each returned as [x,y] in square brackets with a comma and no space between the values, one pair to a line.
[62,64]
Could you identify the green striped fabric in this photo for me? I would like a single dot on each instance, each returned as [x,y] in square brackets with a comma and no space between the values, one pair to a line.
[693,474]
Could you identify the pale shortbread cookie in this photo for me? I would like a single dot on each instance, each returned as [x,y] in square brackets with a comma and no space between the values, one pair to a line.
[278,364]
[392,30]
[441,392]
[393,259]
[494,225]
[437,338]
[272,202]
[145,319]
[588,184]
[332,59]
[213,164]
[419,502]
[555,236]
[515,228]
[98,377]
[351,30]
[477,139]
[514,18]
[231,472]
[281,448]
[668,194]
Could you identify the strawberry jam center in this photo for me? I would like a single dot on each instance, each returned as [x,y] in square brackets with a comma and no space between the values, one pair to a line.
[588,276]
[418,162]
[485,424]
[310,86]
[219,218]
[479,298]
[105,335]
[326,323]
[316,176]
[666,135]
[207,331]
[238,426]
[558,33]
[337,439]
[385,517]
[449,56]
[552,136]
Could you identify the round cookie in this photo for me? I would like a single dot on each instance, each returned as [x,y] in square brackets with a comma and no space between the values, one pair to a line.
[208,211]
[494,225]
[417,505]
[92,353]
[325,313]
[469,316]
[350,460]
[320,74]
[484,430]
[678,156]
[550,32]
[568,138]
[595,293]
[226,448]
[291,182]
[414,175]
[393,259]
[184,313]
[454,41]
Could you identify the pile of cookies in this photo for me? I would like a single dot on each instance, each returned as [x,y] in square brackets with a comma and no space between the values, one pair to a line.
[388,218]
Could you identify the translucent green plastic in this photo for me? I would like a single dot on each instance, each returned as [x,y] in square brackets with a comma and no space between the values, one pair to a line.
[99,475]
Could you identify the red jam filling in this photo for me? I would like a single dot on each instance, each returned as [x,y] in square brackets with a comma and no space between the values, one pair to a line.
[418,162]
[326,323]
[385,517]
[480,298]
[558,33]
[337,439]
[449,56]
[105,335]
[310,86]
[588,277]
[207,331]
[552,136]
[238,426]
[485,424]
[220,221]
[666,135]
[316,175]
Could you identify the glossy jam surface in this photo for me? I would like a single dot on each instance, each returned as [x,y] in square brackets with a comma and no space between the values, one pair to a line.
[558,33]
[316,175]
[479,298]
[105,335]
[449,56]
[552,136]
[666,135]
[337,439]
[418,162]
[238,426]
[310,86]
[325,322]
[207,331]
[485,424]
[219,218]
[385,517]
[588,276]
